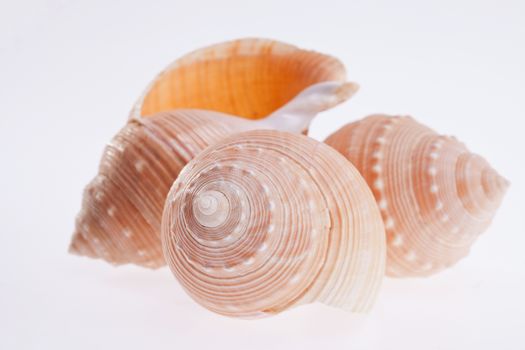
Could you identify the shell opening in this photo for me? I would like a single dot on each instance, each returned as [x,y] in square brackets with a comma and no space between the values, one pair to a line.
[249,78]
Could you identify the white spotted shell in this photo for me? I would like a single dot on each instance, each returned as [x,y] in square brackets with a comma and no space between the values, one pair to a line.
[266,220]
[122,206]
[434,195]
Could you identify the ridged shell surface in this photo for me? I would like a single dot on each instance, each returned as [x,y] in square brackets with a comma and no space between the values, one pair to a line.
[435,196]
[248,78]
[122,206]
[265,220]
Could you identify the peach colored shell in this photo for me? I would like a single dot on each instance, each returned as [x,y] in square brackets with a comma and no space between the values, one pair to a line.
[265,220]
[120,216]
[122,206]
[434,195]
[253,78]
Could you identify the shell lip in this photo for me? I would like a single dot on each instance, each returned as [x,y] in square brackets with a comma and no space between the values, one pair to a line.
[347,90]
[242,47]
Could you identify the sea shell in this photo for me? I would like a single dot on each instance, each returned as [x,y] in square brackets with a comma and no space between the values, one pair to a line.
[435,196]
[249,78]
[122,207]
[266,220]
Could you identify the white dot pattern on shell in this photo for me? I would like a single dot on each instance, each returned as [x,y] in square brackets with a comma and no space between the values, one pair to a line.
[435,196]
[288,233]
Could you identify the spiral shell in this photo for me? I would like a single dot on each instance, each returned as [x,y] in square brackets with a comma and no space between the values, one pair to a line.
[249,78]
[434,195]
[122,207]
[266,220]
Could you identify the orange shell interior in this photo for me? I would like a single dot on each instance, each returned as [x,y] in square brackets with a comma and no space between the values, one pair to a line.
[249,78]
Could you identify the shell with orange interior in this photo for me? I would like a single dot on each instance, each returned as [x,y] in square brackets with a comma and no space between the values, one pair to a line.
[248,79]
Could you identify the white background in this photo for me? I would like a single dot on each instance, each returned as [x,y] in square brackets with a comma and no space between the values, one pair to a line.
[69,74]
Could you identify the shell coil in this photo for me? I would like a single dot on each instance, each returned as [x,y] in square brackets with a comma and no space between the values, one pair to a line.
[258,223]
[435,196]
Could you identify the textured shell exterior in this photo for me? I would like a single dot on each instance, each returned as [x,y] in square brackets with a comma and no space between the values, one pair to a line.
[266,220]
[120,216]
[435,196]
[122,206]
[248,78]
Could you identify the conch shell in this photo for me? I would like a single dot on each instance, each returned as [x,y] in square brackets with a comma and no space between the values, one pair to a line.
[265,220]
[122,207]
[435,196]
[248,78]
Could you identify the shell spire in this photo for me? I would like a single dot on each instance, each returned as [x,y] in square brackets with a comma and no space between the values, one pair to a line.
[435,196]
[264,221]
[122,206]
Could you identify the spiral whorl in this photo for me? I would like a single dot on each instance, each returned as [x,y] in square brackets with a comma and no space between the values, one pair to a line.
[122,206]
[435,196]
[252,227]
